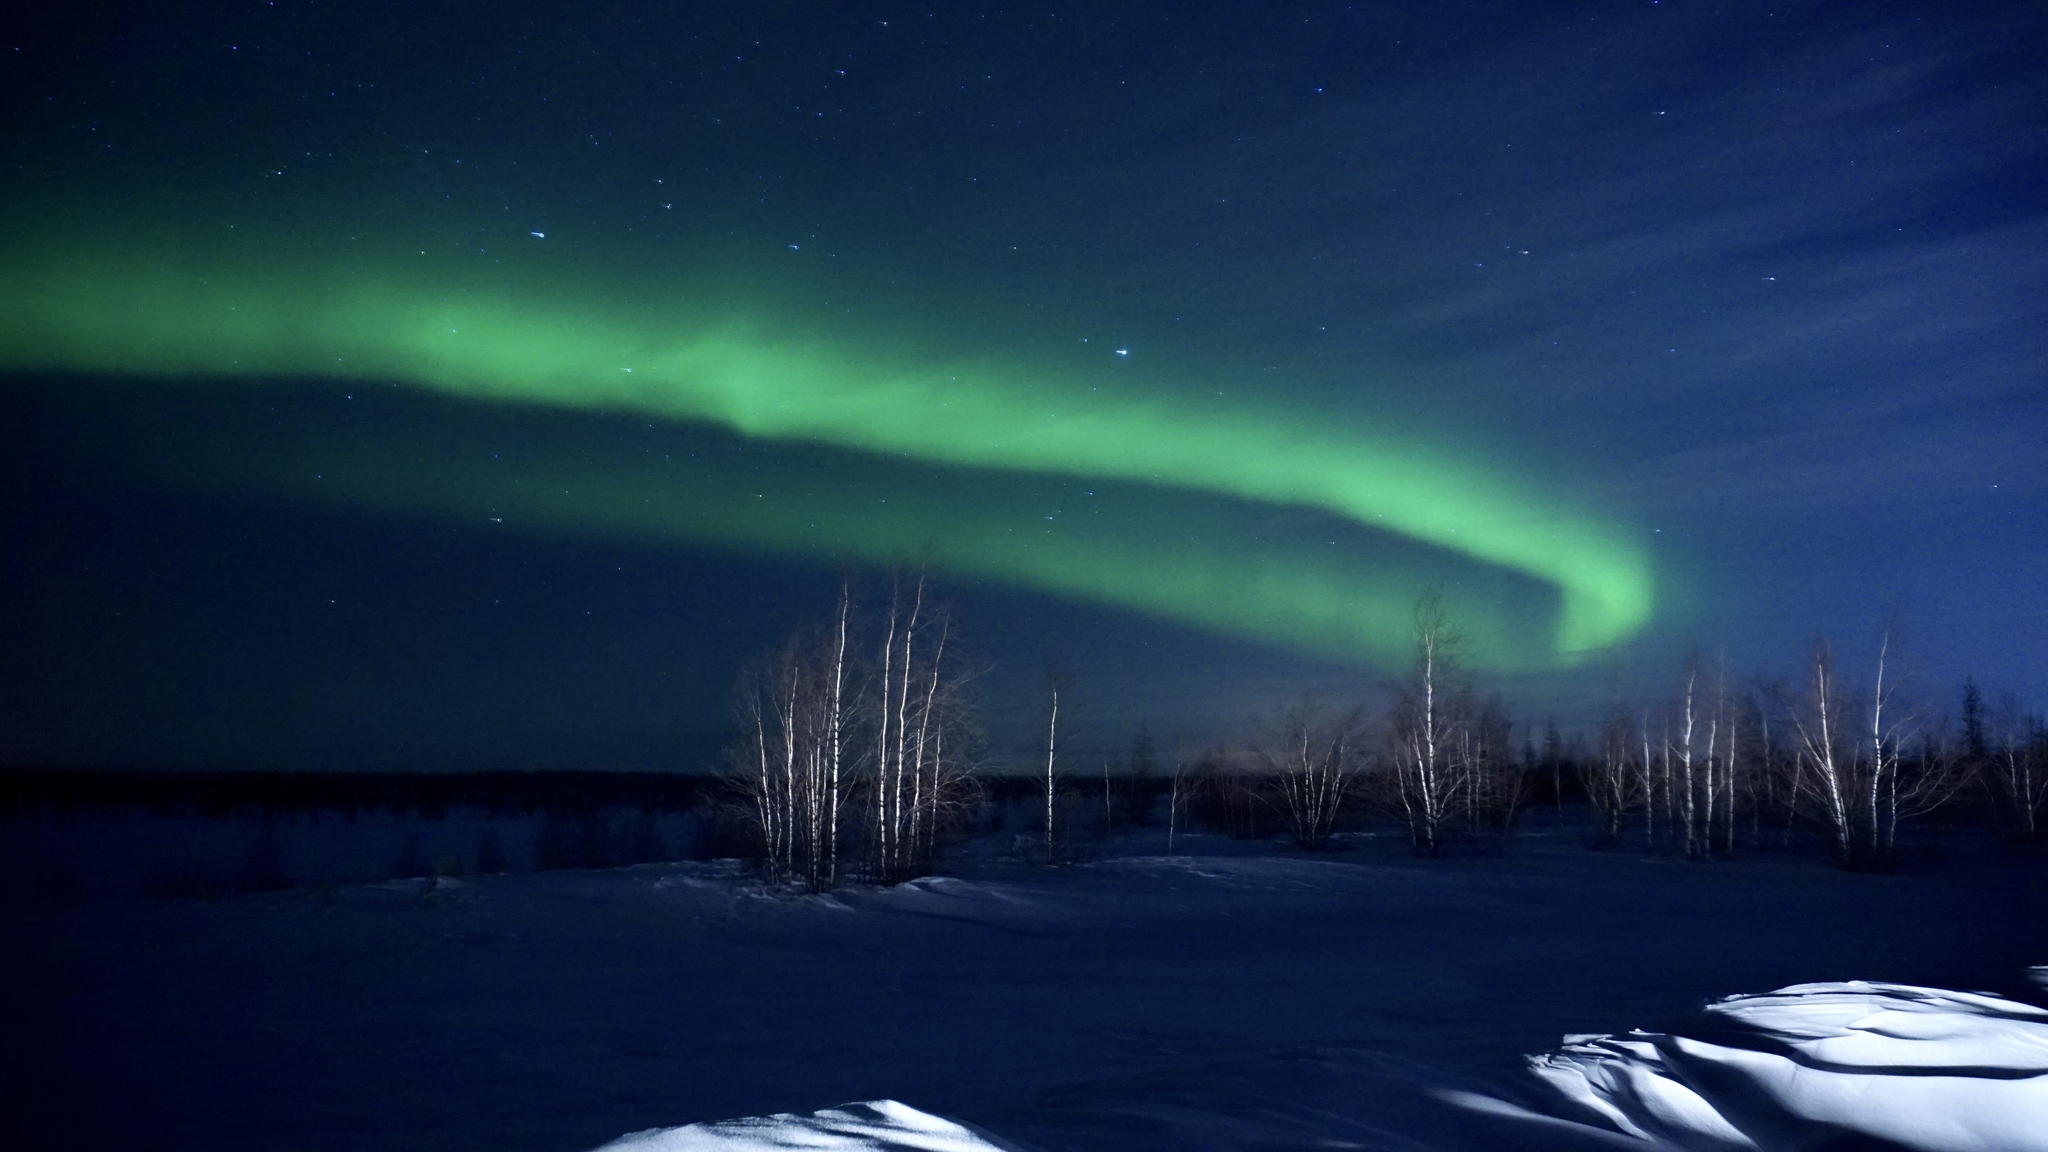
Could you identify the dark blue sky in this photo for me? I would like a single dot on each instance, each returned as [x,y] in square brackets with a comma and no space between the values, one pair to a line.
[1761,285]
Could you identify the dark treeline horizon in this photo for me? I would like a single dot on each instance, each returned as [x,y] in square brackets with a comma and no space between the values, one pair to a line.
[1440,748]
[232,791]
[705,753]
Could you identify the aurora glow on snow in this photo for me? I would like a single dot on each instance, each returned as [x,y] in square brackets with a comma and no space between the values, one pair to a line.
[547,343]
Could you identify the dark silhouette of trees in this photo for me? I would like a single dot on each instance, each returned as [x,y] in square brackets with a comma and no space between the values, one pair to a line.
[1973,720]
[2015,772]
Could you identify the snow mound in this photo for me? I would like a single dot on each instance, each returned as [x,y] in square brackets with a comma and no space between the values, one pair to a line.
[1921,1068]
[877,1126]
[1812,1066]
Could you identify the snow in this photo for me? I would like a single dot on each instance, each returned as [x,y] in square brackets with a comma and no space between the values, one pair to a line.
[1233,996]
[883,1126]
[1922,1068]
[1625,1083]
[1919,1068]
[1862,1025]
[1320,1099]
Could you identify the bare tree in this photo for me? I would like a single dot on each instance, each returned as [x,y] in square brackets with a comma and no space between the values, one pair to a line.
[1053,681]
[1729,713]
[1612,787]
[1699,755]
[1313,759]
[823,730]
[1783,760]
[1108,808]
[1923,783]
[1224,793]
[920,733]
[1173,803]
[1428,782]
[1825,725]
[891,740]
[1645,763]
[1682,756]
[835,728]
[1497,786]
[788,762]
[2015,771]
[1851,769]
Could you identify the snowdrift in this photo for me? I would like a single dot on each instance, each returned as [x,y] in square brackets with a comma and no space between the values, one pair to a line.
[881,1125]
[1843,1065]
[1825,1065]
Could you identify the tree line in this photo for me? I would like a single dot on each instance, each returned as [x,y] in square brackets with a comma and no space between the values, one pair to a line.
[1440,759]
[1726,762]
[1720,765]
[222,793]
[861,752]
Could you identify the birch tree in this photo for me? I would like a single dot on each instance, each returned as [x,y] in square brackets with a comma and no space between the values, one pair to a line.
[2016,770]
[1851,768]
[1826,751]
[1314,759]
[1497,785]
[788,763]
[1427,780]
[1682,756]
[1053,682]
[1611,784]
[1728,715]
[919,732]
[834,745]
[1701,759]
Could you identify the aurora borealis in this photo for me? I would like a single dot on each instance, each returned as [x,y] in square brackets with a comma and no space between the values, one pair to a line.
[1245,326]
[142,320]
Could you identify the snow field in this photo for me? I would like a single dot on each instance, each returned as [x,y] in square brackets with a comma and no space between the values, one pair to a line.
[1819,1064]
[1230,997]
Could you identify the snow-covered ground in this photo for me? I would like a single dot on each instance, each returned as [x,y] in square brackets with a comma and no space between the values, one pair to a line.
[1924,1068]
[1835,1065]
[1220,998]
[99,856]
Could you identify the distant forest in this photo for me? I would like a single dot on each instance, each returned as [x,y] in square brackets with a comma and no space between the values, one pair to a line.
[861,760]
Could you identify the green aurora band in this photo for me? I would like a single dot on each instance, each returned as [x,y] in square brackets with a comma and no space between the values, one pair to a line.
[141,313]
[1229,565]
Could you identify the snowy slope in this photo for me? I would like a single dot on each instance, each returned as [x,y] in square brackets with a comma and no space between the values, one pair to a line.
[883,1126]
[1922,1068]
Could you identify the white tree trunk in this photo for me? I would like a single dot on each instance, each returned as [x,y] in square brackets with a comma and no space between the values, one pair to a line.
[1052,732]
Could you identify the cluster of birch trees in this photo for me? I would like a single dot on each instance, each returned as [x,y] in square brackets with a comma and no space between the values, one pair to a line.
[2009,750]
[1720,763]
[1452,768]
[1679,769]
[858,741]
[1441,759]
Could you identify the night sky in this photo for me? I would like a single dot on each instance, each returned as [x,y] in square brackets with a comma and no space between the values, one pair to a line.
[441,386]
